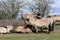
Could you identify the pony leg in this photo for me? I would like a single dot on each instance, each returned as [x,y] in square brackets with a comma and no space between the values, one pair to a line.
[36,29]
[52,28]
[49,28]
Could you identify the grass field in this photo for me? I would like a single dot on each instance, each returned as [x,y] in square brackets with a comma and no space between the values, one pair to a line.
[55,35]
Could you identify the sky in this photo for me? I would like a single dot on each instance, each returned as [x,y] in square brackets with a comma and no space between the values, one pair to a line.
[55,8]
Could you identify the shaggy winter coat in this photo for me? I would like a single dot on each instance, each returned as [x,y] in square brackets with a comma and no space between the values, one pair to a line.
[3,30]
[23,29]
[44,23]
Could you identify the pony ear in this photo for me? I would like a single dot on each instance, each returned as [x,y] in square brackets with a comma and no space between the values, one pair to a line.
[54,15]
[49,16]
[5,27]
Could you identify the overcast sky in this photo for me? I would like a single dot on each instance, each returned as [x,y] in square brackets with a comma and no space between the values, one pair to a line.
[55,8]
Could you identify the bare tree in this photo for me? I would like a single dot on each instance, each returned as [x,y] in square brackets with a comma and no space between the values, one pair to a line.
[9,9]
[40,6]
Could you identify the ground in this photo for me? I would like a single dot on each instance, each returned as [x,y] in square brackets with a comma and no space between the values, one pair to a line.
[55,35]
